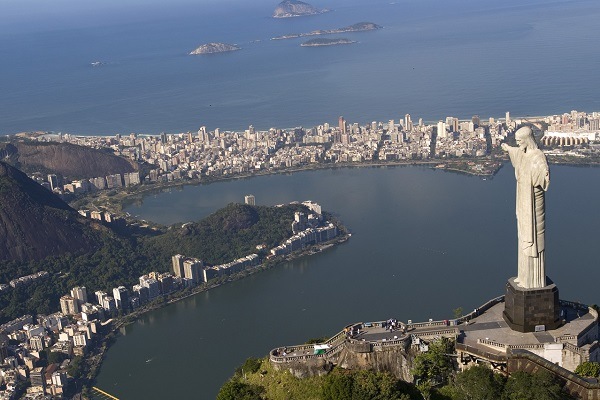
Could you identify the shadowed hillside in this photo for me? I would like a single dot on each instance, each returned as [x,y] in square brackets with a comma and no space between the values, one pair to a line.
[39,232]
[66,159]
[34,223]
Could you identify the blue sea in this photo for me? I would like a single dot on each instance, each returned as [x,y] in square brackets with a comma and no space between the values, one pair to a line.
[432,59]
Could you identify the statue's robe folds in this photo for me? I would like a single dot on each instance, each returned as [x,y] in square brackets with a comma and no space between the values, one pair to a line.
[533,178]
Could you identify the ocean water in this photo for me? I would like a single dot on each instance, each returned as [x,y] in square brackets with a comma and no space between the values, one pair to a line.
[431,60]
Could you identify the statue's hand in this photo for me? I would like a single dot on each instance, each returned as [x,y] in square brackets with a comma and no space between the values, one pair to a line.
[504,146]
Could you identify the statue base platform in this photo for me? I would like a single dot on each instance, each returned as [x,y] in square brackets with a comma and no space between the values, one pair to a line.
[531,310]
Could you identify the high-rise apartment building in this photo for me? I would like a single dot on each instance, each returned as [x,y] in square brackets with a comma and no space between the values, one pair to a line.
[69,305]
[441,129]
[408,125]
[192,269]
[79,293]
[342,124]
[178,260]
[121,295]
[250,200]
[100,295]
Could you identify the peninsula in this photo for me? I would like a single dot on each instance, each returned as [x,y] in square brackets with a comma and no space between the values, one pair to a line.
[295,8]
[234,242]
[326,42]
[211,48]
[358,27]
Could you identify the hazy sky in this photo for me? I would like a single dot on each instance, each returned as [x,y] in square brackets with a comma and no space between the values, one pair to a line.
[18,16]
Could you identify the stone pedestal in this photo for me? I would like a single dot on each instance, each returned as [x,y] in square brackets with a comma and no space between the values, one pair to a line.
[526,309]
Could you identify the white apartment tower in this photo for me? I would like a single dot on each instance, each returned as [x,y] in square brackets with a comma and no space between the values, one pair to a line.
[79,293]
[178,260]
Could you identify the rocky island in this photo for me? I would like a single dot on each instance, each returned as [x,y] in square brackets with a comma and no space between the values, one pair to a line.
[296,8]
[358,27]
[211,48]
[326,42]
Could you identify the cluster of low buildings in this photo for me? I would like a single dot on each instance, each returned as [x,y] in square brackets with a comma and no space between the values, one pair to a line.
[28,279]
[308,230]
[223,153]
[296,156]
[192,271]
[40,351]
[98,215]
[573,129]
[55,183]
[24,280]
[193,155]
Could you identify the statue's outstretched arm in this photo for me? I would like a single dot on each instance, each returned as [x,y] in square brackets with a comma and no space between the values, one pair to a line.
[510,150]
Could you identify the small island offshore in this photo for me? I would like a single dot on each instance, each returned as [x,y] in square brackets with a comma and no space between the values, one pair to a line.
[214,47]
[326,42]
[358,27]
[295,8]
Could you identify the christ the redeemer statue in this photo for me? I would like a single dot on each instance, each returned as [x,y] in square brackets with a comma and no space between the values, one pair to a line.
[533,178]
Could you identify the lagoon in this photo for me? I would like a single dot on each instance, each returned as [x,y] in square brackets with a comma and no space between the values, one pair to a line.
[423,242]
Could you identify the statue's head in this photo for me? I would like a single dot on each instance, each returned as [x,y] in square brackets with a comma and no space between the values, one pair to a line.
[525,139]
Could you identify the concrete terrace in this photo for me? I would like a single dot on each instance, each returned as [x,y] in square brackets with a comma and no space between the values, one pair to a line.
[482,332]
[489,332]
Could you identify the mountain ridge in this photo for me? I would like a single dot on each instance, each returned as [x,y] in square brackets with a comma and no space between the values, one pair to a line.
[35,223]
[65,159]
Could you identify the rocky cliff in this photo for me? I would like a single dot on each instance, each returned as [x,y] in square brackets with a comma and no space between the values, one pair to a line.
[396,360]
[210,48]
[66,159]
[295,8]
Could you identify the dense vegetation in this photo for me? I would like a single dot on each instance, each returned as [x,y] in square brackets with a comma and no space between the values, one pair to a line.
[363,385]
[257,379]
[230,233]
[435,377]
[479,382]
[35,224]
[589,369]
[116,261]
[121,255]
[435,364]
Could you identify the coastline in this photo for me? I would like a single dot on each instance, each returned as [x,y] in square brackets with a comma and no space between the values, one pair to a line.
[124,198]
[93,360]
[325,44]
[96,357]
